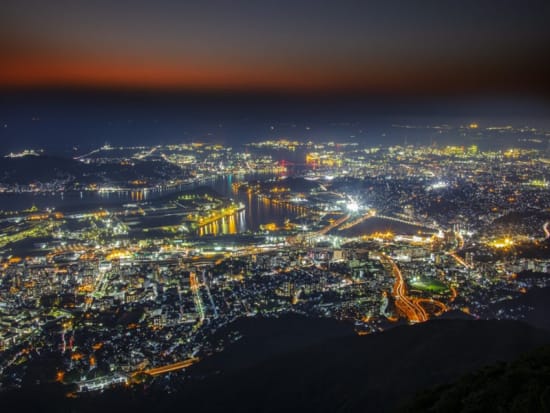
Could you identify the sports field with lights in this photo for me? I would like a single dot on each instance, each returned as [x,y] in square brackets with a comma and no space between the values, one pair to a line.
[428,285]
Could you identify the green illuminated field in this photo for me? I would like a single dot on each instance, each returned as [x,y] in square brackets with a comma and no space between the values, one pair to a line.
[428,284]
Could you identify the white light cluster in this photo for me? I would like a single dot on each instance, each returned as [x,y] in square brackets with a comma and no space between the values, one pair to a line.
[438,185]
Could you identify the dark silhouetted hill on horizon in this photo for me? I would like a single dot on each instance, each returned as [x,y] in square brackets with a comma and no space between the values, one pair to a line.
[375,373]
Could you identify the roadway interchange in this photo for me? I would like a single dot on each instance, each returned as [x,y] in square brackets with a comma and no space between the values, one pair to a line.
[411,308]
[407,306]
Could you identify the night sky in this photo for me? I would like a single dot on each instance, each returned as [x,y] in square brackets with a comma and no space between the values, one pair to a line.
[377,47]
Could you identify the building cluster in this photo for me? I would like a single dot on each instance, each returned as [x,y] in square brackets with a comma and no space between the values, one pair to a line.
[369,236]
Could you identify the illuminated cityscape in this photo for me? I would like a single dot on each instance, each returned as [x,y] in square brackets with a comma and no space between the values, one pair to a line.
[274,206]
[374,236]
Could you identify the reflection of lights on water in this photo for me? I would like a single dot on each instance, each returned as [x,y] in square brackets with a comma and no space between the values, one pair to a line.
[232,224]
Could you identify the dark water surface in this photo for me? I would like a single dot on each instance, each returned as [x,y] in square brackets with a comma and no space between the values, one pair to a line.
[256,212]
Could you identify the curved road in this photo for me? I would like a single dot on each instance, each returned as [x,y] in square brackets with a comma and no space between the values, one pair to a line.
[412,310]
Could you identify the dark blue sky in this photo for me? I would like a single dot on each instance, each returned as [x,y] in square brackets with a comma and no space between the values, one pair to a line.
[82,72]
[58,121]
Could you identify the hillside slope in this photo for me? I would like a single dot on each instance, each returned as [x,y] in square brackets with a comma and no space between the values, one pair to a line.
[376,373]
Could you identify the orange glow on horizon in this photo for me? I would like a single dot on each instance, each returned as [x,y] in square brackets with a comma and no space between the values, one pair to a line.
[101,73]
[24,71]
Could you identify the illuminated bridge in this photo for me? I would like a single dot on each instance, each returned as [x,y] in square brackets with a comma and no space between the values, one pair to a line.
[172,367]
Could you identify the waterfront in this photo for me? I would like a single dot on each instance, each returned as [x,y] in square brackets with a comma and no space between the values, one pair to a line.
[256,211]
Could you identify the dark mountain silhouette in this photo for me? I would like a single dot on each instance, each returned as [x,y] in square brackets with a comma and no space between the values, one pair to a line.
[32,169]
[520,386]
[375,373]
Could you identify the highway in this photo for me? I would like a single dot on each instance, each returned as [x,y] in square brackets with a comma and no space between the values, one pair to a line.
[409,308]
[459,260]
[99,286]
[326,229]
[213,305]
[301,237]
[430,301]
[546,230]
[172,367]
[454,293]
[414,223]
[452,253]
[356,221]
[194,285]
[460,240]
